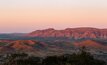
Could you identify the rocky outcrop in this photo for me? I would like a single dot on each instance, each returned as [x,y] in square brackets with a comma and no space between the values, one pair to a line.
[91,44]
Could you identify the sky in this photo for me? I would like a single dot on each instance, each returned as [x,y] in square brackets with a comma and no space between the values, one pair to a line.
[30,15]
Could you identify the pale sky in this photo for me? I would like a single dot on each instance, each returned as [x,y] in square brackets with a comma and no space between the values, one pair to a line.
[30,15]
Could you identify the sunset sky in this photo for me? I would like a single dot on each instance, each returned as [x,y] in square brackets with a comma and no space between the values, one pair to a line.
[30,15]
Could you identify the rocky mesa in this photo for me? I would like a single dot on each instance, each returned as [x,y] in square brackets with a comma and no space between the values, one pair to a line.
[75,33]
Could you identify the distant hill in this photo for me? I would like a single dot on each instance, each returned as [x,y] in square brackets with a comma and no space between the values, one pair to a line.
[51,34]
[75,33]
[11,35]
[33,46]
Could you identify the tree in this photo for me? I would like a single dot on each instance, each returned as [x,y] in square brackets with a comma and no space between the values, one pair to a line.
[82,58]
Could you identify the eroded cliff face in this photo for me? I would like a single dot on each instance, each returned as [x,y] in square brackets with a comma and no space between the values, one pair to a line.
[71,32]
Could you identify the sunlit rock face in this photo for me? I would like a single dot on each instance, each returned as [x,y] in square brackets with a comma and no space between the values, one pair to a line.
[90,43]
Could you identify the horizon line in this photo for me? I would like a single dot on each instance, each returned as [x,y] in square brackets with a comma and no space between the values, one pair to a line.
[50,28]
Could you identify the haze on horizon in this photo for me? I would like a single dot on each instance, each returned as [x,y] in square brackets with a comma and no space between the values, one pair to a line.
[30,15]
